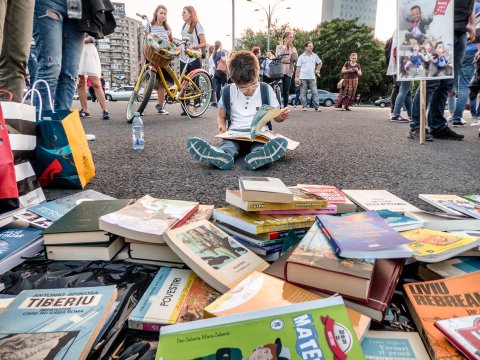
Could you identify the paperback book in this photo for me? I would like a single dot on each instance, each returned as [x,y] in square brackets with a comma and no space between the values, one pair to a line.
[54,323]
[148,218]
[204,212]
[393,345]
[448,298]
[379,200]
[149,251]
[473,198]
[174,296]
[215,256]
[328,210]
[18,244]
[333,195]
[463,333]
[33,220]
[318,329]
[441,221]
[262,188]
[399,222]
[448,268]
[445,201]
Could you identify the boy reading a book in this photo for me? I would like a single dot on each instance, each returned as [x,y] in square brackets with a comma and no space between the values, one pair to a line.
[245,100]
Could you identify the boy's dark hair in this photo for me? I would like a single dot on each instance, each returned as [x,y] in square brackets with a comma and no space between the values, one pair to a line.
[306,44]
[243,67]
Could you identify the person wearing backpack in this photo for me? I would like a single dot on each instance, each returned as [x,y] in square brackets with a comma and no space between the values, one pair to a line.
[238,105]
[220,76]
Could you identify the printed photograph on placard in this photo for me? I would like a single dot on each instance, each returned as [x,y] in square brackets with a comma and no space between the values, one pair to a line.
[425,39]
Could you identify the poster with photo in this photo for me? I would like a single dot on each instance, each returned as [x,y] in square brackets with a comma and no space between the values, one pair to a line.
[425,39]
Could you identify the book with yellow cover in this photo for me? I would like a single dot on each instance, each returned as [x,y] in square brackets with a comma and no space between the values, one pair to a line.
[216,257]
[254,223]
[260,291]
[432,246]
[431,301]
[302,199]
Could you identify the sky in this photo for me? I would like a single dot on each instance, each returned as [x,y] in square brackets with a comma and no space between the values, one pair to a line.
[216,16]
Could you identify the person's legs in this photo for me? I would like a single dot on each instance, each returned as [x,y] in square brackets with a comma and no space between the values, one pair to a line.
[404,88]
[395,90]
[464,76]
[218,87]
[286,81]
[312,85]
[97,86]
[303,93]
[221,157]
[415,124]
[15,45]
[82,96]
[408,103]
[297,95]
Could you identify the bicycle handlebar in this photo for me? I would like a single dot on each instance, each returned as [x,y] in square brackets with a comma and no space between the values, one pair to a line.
[144,17]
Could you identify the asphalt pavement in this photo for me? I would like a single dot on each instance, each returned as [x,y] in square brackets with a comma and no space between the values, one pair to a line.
[360,149]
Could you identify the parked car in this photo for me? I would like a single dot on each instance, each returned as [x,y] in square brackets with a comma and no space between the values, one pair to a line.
[382,102]
[124,93]
[325,98]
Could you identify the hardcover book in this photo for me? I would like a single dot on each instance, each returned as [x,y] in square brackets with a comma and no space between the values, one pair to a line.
[17,244]
[212,254]
[148,218]
[393,345]
[155,252]
[302,199]
[314,264]
[262,188]
[463,333]
[317,329]
[443,202]
[442,221]
[448,268]
[91,252]
[257,132]
[174,296]
[54,323]
[431,301]
[363,235]
[80,225]
[434,246]
[54,210]
[379,200]
[254,223]
[260,291]
[333,195]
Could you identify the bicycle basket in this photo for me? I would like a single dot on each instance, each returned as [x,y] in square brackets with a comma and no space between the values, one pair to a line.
[276,71]
[158,58]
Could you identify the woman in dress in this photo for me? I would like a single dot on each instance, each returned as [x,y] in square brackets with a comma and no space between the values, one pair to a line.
[90,66]
[350,71]
[289,59]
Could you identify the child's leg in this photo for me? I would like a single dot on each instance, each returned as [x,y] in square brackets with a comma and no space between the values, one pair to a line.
[221,157]
[264,154]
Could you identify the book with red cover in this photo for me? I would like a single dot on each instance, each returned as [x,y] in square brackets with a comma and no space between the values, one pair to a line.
[333,195]
[463,333]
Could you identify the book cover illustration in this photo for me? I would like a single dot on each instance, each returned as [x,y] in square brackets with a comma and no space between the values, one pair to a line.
[317,329]
[57,312]
[331,193]
[456,266]
[54,210]
[34,220]
[379,200]
[314,250]
[445,201]
[396,220]
[12,240]
[463,333]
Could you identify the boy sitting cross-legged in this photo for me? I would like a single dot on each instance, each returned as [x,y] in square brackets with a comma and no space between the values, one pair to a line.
[238,105]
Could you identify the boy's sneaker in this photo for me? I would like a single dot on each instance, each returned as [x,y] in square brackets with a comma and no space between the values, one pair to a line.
[415,135]
[161,109]
[271,151]
[399,118]
[105,115]
[447,134]
[390,116]
[84,114]
[208,154]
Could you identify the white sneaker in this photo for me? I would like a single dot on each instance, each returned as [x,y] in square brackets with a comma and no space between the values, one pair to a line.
[476,123]
[450,118]
[390,116]
[461,122]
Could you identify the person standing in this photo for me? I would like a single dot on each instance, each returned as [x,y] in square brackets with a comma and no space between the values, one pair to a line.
[16,26]
[192,30]
[308,66]
[289,57]
[220,77]
[90,66]
[437,90]
[351,70]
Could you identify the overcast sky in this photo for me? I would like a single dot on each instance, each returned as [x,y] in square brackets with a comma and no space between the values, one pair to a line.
[216,15]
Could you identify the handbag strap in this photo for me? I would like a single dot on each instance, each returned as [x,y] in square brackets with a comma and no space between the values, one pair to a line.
[34,87]
[10,95]
[35,91]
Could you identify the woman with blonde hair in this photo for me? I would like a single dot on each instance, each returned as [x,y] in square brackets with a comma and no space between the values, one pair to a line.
[289,58]
[351,70]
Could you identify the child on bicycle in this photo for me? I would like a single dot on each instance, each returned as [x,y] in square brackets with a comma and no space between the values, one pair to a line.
[245,100]
[159,27]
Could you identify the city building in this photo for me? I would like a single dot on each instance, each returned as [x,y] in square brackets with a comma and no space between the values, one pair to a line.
[365,10]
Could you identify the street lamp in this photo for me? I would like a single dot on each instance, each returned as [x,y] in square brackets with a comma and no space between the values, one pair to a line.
[269,13]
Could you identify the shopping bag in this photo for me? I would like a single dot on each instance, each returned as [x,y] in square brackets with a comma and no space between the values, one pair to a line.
[20,124]
[63,157]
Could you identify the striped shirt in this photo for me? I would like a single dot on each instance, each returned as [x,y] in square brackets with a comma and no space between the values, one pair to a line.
[158,30]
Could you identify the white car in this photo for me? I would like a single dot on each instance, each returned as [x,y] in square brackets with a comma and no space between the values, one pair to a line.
[124,93]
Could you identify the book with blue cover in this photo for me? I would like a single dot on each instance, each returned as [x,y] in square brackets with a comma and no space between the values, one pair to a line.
[393,345]
[55,324]
[16,244]
[397,221]
[363,235]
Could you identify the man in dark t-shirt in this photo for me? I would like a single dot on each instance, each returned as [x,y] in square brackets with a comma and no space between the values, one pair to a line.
[437,90]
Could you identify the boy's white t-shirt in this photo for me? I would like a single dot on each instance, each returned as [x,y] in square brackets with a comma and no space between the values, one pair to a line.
[243,108]
[307,64]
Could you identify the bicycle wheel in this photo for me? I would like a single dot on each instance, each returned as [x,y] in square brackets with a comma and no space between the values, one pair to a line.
[200,98]
[141,94]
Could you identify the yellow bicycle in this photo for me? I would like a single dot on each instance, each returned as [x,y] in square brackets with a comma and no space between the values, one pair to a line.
[192,90]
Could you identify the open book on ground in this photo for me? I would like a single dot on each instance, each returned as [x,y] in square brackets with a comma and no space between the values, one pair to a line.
[257,132]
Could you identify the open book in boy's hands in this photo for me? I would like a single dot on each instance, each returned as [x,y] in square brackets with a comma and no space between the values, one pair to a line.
[265,114]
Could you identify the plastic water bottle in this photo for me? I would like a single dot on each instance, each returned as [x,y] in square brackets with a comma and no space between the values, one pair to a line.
[138,141]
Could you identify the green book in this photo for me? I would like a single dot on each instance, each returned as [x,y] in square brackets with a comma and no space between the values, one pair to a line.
[80,225]
[319,329]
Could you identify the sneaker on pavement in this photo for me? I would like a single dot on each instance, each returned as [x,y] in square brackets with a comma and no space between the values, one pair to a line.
[447,134]
[415,135]
[476,123]
[84,114]
[318,109]
[105,115]
[459,122]
[390,116]
[271,151]
[450,118]
[399,118]
[304,109]
[208,154]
